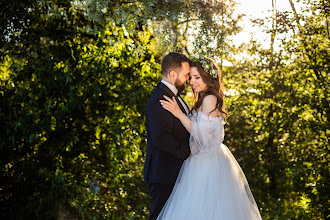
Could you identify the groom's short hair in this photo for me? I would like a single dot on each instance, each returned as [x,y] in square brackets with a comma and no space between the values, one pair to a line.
[173,60]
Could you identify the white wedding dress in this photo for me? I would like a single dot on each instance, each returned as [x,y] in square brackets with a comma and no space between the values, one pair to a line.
[211,185]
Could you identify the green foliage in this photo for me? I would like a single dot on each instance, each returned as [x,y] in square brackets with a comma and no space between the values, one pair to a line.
[72,110]
[283,108]
[76,76]
[184,25]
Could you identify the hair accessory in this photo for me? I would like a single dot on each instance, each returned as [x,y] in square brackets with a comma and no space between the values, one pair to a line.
[206,63]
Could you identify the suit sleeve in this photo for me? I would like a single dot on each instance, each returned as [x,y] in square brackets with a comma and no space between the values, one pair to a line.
[161,125]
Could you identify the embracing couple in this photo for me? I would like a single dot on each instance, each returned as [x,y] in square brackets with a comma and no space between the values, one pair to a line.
[190,174]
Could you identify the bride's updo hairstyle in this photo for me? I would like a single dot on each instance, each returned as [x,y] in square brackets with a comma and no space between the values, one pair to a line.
[213,86]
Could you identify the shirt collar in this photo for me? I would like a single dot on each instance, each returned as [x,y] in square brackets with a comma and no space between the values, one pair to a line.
[171,87]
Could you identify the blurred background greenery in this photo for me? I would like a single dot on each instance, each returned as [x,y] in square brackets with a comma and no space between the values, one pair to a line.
[76,76]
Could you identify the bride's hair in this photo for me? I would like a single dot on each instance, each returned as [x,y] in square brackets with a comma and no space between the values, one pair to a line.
[214,87]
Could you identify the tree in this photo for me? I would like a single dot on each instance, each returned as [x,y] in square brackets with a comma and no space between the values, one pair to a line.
[188,26]
[283,108]
[73,94]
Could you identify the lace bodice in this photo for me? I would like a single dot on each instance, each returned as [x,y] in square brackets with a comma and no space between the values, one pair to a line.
[207,133]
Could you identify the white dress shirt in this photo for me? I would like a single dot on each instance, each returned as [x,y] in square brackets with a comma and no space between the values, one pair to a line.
[175,91]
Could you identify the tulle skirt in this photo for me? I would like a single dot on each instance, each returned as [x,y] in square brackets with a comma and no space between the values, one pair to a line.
[211,186]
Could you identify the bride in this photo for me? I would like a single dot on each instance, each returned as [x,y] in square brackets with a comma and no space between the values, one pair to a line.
[211,184]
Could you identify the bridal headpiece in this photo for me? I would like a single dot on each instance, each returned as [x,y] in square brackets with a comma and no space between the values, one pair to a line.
[206,63]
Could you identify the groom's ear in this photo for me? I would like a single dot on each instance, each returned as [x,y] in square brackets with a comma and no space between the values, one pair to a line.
[172,74]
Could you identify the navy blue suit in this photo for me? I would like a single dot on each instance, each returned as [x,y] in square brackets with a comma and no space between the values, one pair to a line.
[167,148]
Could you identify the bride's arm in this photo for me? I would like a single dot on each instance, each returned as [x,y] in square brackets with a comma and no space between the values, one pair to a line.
[172,106]
[208,105]
[204,133]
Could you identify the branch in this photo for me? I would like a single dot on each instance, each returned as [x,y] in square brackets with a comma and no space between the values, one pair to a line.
[327,22]
[187,21]
[295,15]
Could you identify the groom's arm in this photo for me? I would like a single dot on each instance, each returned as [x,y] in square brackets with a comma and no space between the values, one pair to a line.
[162,135]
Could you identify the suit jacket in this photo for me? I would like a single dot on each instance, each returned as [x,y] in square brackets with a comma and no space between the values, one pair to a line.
[167,140]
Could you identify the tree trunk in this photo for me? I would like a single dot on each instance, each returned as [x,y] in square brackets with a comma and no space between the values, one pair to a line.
[175,32]
[295,15]
[273,34]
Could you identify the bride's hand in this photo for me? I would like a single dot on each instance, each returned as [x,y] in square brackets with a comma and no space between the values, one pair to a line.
[172,106]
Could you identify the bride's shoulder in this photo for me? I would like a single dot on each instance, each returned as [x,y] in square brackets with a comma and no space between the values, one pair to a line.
[209,104]
[210,101]
[210,98]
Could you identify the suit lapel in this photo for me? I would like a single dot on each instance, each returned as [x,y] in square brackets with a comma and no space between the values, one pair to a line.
[180,104]
[171,94]
[185,104]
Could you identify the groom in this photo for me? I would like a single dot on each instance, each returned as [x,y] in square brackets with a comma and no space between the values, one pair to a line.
[167,139]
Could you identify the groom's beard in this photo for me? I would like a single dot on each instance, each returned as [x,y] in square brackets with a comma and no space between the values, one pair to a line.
[179,86]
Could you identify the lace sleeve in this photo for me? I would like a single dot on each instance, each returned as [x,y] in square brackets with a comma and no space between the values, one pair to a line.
[207,133]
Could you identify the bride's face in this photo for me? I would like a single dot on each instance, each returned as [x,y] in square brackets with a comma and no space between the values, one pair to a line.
[196,82]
